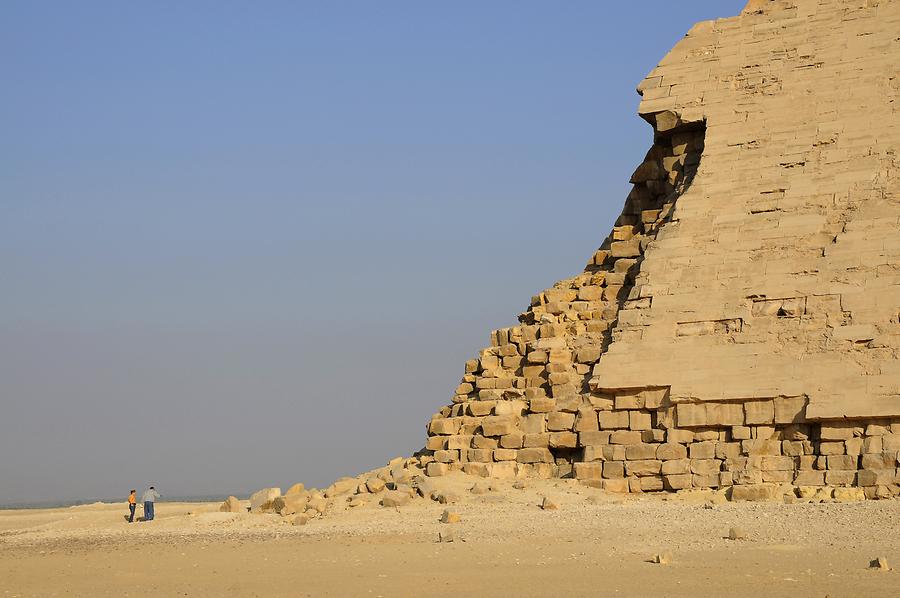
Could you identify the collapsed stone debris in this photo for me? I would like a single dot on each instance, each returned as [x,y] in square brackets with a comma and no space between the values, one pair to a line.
[740,326]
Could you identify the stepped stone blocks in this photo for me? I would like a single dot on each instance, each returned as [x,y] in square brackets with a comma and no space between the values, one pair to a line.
[740,325]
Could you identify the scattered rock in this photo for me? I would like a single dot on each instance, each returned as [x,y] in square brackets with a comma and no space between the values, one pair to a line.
[341,486]
[446,497]
[300,519]
[519,485]
[261,500]
[290,503]
[317,503]
[232,505]
[663,558]
[480,488]
[549,505]
[375,485]
[424,486]
[358,500]
[737,533]
[395,498]
[880,563]
[849,494]
[295,489]
[449,516]
[806,492]
[446,535]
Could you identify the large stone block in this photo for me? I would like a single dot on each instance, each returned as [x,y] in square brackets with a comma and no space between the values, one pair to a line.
[534,455]
[643,468]
[670,451]
[876,477]
[593,438]
[676,467]
[725,414]
[702,450]
[843,462]
[636,452]
[613,420]
[586,420]
[839,431]
[262,499]
[756,492]
[559,421]
[705,466]
[639,420]
[809,478]
[759,412]
[689,415]
[563,440]
[790,410]
[625,437]
[445,426]
[498,425]
[588,471]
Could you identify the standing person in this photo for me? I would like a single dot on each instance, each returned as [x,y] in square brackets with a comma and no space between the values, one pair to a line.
[132,498]
[148,499]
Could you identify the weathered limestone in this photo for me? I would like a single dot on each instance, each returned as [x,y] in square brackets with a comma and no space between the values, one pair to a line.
[740,325]
[262,500]
[232,505]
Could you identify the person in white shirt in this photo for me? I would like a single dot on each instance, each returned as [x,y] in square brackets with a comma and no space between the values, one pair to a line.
[148,499]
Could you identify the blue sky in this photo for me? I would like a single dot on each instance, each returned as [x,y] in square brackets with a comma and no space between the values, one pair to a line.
[247,244]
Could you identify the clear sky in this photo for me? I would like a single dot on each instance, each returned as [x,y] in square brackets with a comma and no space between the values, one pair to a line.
[249,244]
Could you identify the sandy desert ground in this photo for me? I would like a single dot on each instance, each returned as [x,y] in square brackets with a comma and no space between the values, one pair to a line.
[595,544]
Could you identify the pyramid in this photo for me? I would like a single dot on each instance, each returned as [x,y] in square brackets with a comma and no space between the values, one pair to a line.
[738,328]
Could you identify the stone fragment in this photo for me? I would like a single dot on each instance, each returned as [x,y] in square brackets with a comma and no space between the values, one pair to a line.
[261,500]
[663,558]
[756,492]
[295,489]
[449,516]
[548,505]
[446,535]
[737,533]
[232,505]
[395,498]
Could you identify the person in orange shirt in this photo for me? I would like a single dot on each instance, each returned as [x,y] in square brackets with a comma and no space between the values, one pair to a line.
[132,503]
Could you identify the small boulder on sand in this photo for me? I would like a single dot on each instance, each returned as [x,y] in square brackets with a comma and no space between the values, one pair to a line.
[480,488]
[232,505]
[548,505]
[880,563]
[737,533]
[446,497]
[449,516]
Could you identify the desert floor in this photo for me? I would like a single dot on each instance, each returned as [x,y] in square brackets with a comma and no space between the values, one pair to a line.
[595,544]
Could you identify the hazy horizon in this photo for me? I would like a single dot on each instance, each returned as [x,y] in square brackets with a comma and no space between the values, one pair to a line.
[249,246]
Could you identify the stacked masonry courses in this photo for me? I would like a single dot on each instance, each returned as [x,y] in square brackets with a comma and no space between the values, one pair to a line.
[739,326]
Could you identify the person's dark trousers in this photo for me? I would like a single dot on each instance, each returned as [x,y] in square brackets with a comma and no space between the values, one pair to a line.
[148,511]
[131,507]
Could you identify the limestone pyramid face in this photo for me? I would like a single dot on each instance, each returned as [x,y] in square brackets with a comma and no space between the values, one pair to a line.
[739,326]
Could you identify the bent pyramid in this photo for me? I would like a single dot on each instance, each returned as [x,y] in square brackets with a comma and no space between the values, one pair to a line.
[739,326]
